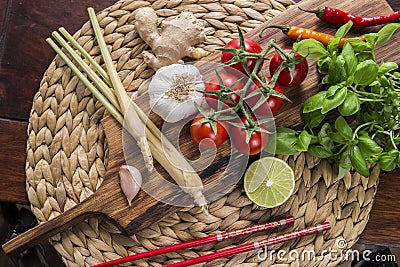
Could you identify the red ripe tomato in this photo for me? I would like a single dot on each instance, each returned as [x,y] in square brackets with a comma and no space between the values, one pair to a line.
[300,70]
[204,131]
[272,104]
[256,144]
[250,46]
[213,85]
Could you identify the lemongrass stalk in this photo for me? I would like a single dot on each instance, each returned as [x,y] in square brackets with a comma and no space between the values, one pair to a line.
[180,170]
[134,125]
[103,100]
[92,75]
[85,54]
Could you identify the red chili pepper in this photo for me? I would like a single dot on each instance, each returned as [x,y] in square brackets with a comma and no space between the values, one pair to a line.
[336,16]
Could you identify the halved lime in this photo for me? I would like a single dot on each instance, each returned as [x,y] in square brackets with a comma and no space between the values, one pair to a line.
[269,182]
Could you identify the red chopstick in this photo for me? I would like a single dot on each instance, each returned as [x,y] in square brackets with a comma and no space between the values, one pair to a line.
[254,245]
[201,241]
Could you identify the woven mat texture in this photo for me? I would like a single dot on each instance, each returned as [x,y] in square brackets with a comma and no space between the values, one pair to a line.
[67,156]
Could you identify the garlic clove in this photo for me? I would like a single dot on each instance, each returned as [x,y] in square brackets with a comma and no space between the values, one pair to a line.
[130,180]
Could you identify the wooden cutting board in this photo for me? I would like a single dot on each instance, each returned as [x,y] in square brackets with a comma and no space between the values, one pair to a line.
[108,201]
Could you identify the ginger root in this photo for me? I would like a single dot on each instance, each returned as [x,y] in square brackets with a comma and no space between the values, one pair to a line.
[175,41]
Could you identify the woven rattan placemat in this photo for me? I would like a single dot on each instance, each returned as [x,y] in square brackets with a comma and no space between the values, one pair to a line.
[67,156]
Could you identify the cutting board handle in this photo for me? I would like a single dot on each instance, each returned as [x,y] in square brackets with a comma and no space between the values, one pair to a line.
[56,225]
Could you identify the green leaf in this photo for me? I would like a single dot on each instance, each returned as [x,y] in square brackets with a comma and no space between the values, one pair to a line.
[323,136]
[350,105]
[286,141]
[337,71]
[315,102]
[333,45]
[368,146]
[323,64]
[358,161]
[344,164]
[387,67]
[334,101]
[303,141]
[344,159]
[344,29]
[371,38]
[386,33]
[387,162]
[359,45]
[320,151]
[366,72]
[365,55]
[343,128]
[350,59]
[342,172]
[313,119]
[338,138]
[311,48]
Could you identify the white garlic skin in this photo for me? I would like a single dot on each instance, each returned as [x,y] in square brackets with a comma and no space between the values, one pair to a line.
[168,108]
[131,181]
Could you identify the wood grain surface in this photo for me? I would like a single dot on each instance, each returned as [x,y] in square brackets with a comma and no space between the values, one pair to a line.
[36,20]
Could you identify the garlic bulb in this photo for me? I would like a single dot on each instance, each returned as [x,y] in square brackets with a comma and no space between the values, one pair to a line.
[173,92]
[130,180]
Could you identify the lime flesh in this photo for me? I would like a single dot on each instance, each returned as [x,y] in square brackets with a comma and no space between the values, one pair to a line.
[269,182]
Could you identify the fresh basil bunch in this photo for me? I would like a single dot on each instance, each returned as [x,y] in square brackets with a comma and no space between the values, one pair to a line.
[363,95]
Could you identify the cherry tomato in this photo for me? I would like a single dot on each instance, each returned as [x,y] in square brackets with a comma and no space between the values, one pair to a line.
[257,142]
[204,131]
[250,46]
[273,103]
[300,70]
[213,85]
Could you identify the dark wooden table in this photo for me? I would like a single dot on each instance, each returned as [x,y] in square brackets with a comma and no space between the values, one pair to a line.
[24,56]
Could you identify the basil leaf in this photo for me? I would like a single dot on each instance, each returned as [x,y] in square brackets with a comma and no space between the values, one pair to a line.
[368,146]
[358,161]
[323,65]
[343,128]
[386,33]
[320,152]
[286,141]
[332,90]
[350,105]
[371,38]
[387,67]
[387,162]
[344,29]
[333,45]
[311,48]
[342,172]
[359,46]
[315,102]
[344,159]
[350,59]
[313,119]
[334,101]
[337,71]
[365,55]
[366,72]
[323,136]
[303,141]
[338,138]
[344,164]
